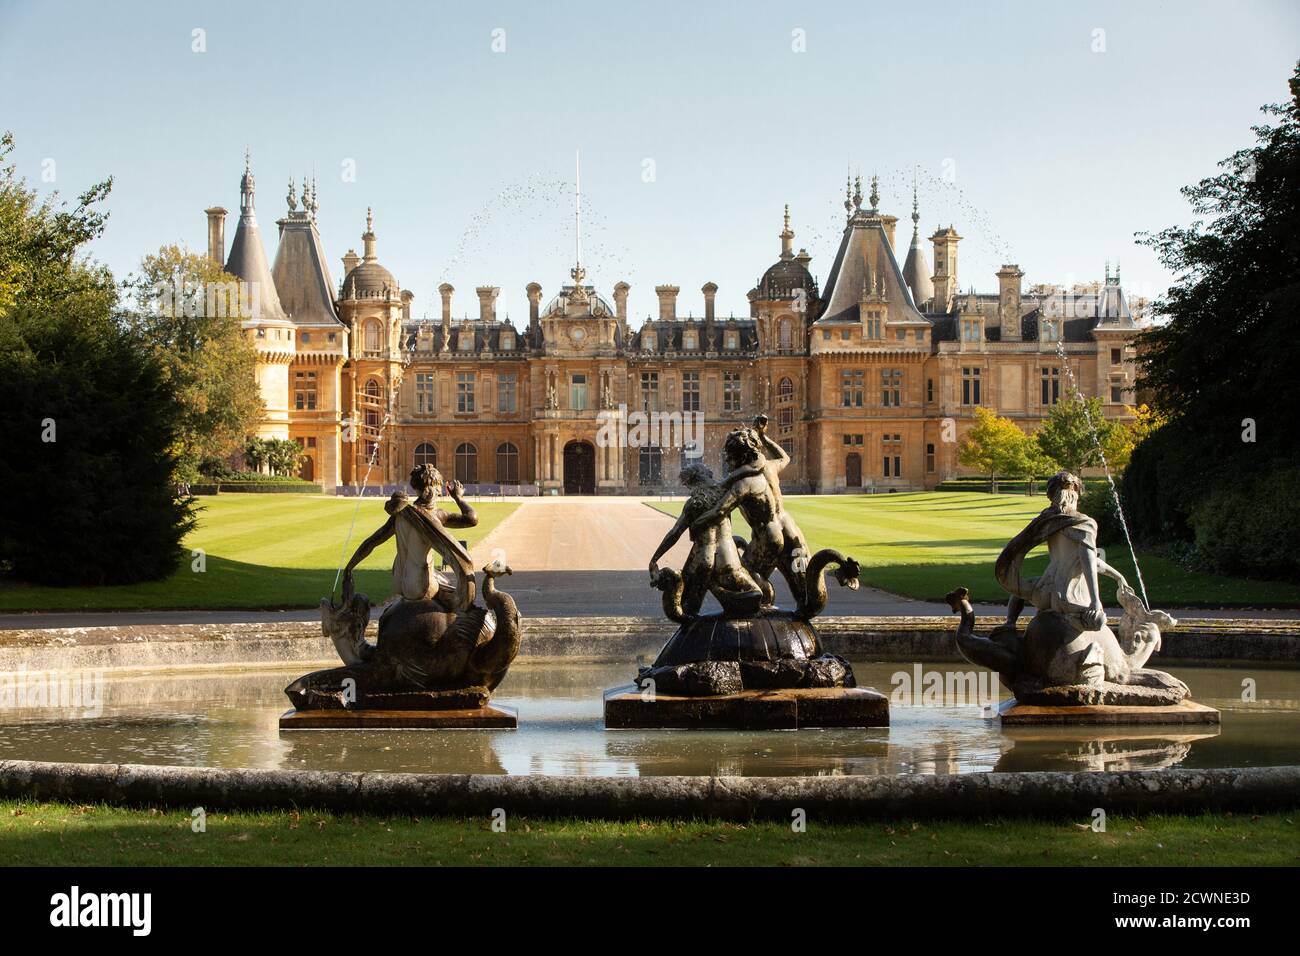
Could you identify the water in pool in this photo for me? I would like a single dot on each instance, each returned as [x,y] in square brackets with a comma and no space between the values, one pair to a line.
[229,719]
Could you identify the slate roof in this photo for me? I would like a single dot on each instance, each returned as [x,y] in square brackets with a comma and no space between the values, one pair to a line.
[301,273]
[247,258]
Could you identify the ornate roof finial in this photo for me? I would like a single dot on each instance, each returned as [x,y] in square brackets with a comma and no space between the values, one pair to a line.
[370,220]
[916,216]
[292,198]
[848,194]
[875,193]
[787,234]
[857,192]
[247,185]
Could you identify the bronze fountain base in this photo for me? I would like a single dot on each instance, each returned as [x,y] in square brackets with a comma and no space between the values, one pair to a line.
[756,673]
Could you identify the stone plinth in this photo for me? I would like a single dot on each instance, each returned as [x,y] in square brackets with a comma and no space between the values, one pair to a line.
[784,709]
[487,717]
[1015,714]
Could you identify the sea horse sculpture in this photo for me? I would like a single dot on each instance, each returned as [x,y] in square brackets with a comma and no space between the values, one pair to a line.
[751,644]
[436,647]
[1067,655]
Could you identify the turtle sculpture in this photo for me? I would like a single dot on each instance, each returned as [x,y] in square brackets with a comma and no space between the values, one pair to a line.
[1068,655]
[751,644]
[437,648]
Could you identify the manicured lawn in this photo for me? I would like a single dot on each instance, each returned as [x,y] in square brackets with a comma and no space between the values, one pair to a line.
[54,834]
[922,545]
[262,551]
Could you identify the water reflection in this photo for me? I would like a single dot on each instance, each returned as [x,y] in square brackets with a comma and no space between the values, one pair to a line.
[230,719]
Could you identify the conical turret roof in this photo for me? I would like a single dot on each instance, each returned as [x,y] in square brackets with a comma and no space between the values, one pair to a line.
[248,259]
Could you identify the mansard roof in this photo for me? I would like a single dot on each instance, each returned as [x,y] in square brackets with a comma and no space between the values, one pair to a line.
[669,334]
[301,273]
[487,336]
[865,264]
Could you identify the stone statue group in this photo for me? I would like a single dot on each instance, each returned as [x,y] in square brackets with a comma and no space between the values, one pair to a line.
[446,642]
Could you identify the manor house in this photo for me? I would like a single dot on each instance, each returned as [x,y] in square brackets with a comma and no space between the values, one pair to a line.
[867,379]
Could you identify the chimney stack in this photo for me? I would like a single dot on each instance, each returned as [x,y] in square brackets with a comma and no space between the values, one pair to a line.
[667,301]
[1009,277]
[445,290]
[350,262]
[710,291]
[487,302]
[945,268]
[534,302]
[217,235]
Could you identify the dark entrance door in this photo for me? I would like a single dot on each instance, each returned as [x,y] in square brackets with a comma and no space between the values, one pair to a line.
[579,468]
[853,470]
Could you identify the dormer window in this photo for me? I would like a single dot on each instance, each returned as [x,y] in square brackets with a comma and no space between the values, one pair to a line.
[690,341]
[649,341]
[305,337]
[970,330]
[507,342]
[731,341]
[1051,330]
[465,341]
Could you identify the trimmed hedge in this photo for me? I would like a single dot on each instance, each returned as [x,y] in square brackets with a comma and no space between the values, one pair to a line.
[256,487]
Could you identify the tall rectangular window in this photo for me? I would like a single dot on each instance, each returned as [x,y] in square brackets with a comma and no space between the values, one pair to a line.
[731,392]
[650,391]
[929,459]
[970,386]
[852,388]
[690,391]
[424,393]
[891,387]
[893,456]
[507,392]
[304,391]
[1051,390]
[578,393]
[465,392]
[1116,357]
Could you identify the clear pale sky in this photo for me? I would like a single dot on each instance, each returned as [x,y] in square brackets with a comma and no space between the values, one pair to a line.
[466,155]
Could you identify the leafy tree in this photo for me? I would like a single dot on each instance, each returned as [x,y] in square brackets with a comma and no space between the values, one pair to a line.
[188,311]
[1125,436]
[1028,461]
[1072,431]
[993,446]
[1221,361]
[90,420]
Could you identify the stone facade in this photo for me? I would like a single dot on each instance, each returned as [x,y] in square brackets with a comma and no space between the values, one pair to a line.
[870,382]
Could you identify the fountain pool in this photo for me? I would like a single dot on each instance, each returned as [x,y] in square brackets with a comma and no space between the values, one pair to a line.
[229,719]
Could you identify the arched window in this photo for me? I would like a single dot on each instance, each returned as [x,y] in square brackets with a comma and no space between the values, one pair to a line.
[374,390]
[372,336]
[507,464]
[426,454]
[787,334]
[785,390]
[466,464]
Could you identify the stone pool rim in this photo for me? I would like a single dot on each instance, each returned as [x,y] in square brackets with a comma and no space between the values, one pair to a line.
[1044,794]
